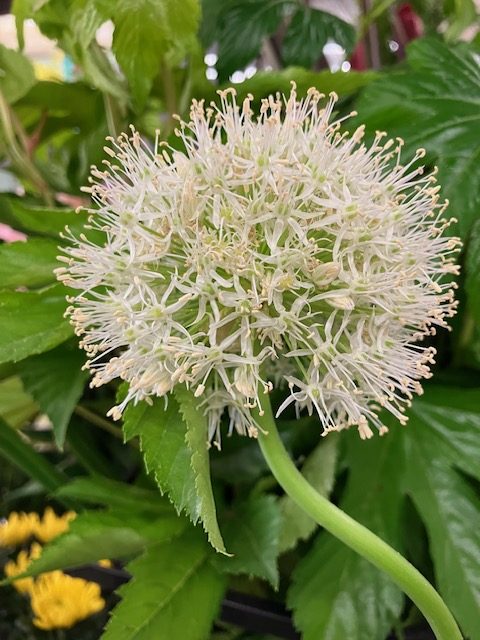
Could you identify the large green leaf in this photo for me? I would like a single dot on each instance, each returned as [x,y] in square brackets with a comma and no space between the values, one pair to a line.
[116,495]
[443,433]
[175,593]
[145,32]
[28,264]
[319,470]
[32,322]
[309,31]
[16,74]
[163,439]
[95,535]
[336,594]
[19,453]
[56,380]
[242,27]
[251,533]
[436,105]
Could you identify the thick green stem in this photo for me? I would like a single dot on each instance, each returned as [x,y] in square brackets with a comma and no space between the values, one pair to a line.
[352,533]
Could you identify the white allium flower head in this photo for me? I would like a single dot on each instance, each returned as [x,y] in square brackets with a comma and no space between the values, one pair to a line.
[276,250]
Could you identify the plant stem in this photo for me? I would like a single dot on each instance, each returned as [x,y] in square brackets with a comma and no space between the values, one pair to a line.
[351,532]
[98,421]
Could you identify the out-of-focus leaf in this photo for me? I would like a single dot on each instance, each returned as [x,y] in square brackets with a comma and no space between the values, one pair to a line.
[28,264]
[319,470]
[251,534]
[116,495]
[94,535]
[39,220]
[17,452]
[436,105]
[197,440]
[16,74]
[242,28]
[16,405]
[336,594]
[443,433]
[32,322]
[472,283]
[309,31]
[56,380]
[175,593]
[167,455]
[265,83]
[145,33]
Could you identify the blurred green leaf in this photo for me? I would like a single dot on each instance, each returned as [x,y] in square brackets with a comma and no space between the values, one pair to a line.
[44,221]
[28,264]
[242,27]
[265,83]
[56,380]
[197,440]
[175,593]
[435,105]
[319,470]
[21,454]
[443,433]
[32,322]
[309,31]
[116,495]
[251,532]
[472,265]
[16,74]
[335,593]
[98,535]
[16,405]
[163,440]
[148,32]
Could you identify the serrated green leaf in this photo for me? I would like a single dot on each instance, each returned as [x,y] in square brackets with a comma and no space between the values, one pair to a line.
[116,495]
[435,105]
[16,74]
[32,322]
[319,470]
[163,432]
[19,453]
[95,535]
[16,405]
[175,593]
[251,532]
[242,27]
[197,440]
[309,31]
[56,380]
[28,264]
[443,432]
[335,593]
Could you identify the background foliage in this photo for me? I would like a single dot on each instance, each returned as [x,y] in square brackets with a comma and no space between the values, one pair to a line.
[162,504]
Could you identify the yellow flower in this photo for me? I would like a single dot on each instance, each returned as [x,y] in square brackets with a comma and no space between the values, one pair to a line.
[60,601]
[51,525]
[15,568]
[18,528]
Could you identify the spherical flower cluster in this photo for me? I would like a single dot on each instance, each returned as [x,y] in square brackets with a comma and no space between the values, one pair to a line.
[275,250]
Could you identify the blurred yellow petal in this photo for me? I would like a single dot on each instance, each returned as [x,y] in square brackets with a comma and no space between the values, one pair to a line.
[17,528]
[51,525]
[20,565]
[59,601]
